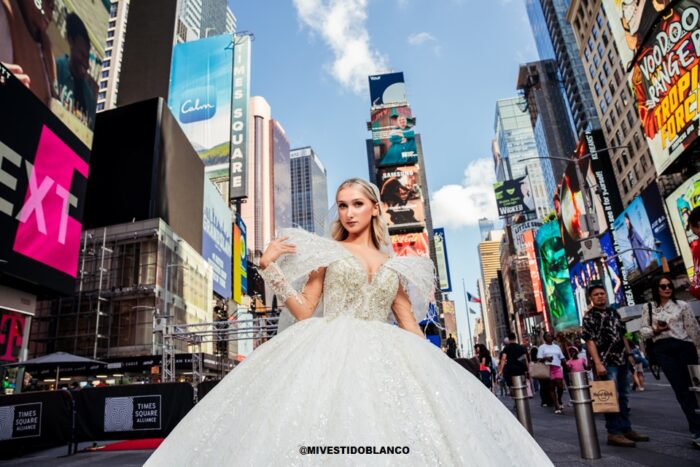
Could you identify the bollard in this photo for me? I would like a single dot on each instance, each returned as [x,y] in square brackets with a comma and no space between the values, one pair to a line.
[522,406]
[580,392]
[694,371]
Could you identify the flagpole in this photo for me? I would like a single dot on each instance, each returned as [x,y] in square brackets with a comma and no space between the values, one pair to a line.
[469,319]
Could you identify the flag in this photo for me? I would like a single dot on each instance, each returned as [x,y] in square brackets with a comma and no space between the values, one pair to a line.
[473,312]
[472,298]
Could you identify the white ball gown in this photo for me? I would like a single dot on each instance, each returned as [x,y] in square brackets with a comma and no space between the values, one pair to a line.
[350,379]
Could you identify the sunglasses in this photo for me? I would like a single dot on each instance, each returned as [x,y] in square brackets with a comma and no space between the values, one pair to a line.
[665,286]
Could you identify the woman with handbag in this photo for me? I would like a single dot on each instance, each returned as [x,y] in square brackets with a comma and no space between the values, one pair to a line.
[551,354]
[675,334]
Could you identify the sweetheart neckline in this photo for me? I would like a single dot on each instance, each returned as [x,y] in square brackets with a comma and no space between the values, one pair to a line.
[370,275]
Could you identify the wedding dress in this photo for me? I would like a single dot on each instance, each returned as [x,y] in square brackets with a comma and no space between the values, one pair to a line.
[349,378]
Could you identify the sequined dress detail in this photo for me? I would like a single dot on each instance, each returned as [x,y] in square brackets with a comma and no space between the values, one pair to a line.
[350,378]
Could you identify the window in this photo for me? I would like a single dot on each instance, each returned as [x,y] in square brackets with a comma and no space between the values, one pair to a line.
[110,44]
[599,20]
[591,70]
[605,39]
[607,126]
[587,54]
[113,10]
[606,69]
[624,186]
[597,88]
[108,53]
[632,178]
[618,141]
[112,24]
[103,84]
[590,44]
[106,63]
[596,61]
[608,98]
[110,34]
[601,51]
[616,75]
[623,96]
[623,127]
[624,158]
[603,107]
[101,95]
[101,106]
[618,108]
[645,164]
[612,88]
[601,77]
[630,119]
[105,74]
[594,32]
[637,141]
[618,164]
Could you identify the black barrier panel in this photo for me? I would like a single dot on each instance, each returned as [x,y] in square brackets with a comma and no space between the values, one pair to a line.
[34,420]
[132,411]
[204,387]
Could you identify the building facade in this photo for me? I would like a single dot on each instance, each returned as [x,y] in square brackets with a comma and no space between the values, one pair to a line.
[492,301]
[607,78]
[309,191]
[281,176]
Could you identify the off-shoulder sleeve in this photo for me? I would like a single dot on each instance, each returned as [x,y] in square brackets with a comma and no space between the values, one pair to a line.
[312,253]
[417,277]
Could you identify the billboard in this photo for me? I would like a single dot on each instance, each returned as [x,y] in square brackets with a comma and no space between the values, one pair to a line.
[201,82]
[514,196]
[394,137]
[401,196]
[680,203]
[43,177]
[13,330]
[665,77]
[443,265]
[411,244]
[240,260]
[59,46]
[239,117]
[538,294]
[217,241]
[387,89]
[555,277]
[638,229]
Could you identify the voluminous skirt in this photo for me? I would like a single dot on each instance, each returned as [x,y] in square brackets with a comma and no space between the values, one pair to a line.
[346,382]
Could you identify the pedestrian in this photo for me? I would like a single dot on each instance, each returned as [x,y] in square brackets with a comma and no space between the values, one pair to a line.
[451,347]
[550,353]
[540,385]
[577,362]
[676,336]
[514,360]
[484,364]
[604,333]
[638,369]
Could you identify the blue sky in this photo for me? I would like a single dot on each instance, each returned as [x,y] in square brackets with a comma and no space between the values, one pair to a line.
[311,58]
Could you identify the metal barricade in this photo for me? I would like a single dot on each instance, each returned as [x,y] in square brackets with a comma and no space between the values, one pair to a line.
[580,392]
[522,406]
[694,371]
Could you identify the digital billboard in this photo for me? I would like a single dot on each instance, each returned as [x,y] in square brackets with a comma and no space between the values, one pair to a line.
[201,83]
[394,137]
[217,238]
[238,180]
[638,229]
[401,196]
[514,196]
[443,265]
[411,244]
[680,203]
[555,277]
[13,330]
[664,75]
[57,48]
[43,177]
[387,89]
[529,240]
[240,260]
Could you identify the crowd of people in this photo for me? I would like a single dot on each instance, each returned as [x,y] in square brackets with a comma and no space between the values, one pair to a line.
[606,351]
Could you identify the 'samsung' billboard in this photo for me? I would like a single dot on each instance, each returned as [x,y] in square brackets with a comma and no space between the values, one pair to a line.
[217,239]
[514,196]
[555,277]
[680,203]
[401,196]
[201,81]
[638,229]
[43,177]
[57,48]
[387,89]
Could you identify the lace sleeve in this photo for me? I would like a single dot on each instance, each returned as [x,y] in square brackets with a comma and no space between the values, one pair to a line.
[312,253]
[274,277]
[417,277]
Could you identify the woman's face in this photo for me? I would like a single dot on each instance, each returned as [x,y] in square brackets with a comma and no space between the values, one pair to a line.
[665,288]
[402,122]
[355,210]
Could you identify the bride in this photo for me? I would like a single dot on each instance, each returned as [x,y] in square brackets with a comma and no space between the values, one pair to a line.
[343,385]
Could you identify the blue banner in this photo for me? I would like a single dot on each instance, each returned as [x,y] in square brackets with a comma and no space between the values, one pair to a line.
[217,239]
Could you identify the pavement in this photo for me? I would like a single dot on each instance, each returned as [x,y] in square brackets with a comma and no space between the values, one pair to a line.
[654,412]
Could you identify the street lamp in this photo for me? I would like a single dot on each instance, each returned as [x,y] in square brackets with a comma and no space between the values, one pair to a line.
[664,262]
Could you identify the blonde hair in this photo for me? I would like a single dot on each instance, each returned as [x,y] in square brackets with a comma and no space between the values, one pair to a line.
[377,226]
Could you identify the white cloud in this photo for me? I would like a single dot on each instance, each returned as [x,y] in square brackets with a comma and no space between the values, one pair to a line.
[421,38]
[463,205]
[341,24]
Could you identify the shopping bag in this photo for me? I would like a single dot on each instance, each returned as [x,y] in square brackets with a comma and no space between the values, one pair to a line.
[604,395]
[538,370]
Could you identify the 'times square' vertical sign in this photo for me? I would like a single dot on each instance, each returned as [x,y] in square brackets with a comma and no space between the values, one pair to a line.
[239,117]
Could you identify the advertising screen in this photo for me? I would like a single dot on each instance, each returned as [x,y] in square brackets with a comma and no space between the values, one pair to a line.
[555,277]
[514,196]
[529,239]
[217,241]
[401,196]
[638,229]
[394,137]
[411,244]
[680,203]
[240,258]
[43,173]
[60,48]
[665,77]
[443,265]
[13,329]
[387,89]
[201,82]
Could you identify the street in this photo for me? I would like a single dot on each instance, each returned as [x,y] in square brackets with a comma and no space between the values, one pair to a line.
[654,412]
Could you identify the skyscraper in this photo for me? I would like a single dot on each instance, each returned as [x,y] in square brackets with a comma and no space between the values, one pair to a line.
[492,293]
[539,83]
[515,143]
[309,191]
[485,226]
[281,176]
[554,38]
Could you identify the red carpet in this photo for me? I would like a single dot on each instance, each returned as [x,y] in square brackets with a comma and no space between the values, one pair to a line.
[129,445]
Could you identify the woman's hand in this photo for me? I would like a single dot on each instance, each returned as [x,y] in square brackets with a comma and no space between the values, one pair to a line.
[658,329]
[274,250]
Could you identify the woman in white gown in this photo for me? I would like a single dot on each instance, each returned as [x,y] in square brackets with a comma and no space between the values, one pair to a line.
[348,379]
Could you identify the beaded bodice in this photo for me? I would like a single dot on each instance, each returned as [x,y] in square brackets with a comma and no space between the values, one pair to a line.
[349,291]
